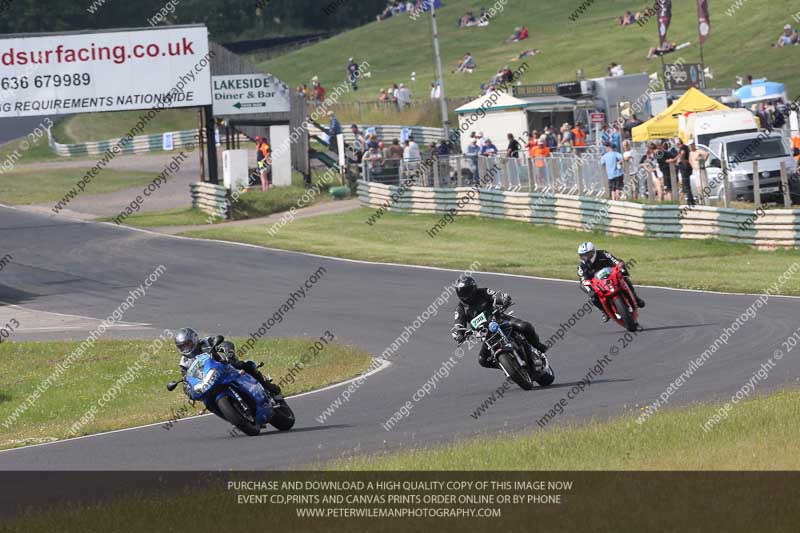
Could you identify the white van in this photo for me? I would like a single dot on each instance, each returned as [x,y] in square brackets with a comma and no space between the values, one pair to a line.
[708,125]
[769,149]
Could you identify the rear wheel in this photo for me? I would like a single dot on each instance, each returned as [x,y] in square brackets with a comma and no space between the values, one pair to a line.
[622,310]
[232,412]
[517,374]
[282,417]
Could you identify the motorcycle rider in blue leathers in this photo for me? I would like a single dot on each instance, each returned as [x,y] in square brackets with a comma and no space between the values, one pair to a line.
[190,345]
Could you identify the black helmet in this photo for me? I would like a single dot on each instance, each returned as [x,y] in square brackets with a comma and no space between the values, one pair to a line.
[226,351]
[187,340]
[465,288]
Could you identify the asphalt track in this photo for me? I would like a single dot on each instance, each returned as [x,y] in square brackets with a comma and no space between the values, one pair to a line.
[87,269]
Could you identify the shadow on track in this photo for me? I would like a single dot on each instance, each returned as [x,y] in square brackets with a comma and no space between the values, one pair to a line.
[272,433]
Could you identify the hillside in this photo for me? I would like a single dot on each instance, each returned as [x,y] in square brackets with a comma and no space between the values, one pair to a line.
[739,45]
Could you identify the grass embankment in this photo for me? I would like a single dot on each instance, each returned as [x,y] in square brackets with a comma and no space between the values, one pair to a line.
[251,204]
[114,125]
[552,31]
[521,248]
[28,185]
[755,436]
[143,400]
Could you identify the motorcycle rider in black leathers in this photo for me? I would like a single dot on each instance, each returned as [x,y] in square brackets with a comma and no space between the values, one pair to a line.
[592,261]
[191,345]
[474,301]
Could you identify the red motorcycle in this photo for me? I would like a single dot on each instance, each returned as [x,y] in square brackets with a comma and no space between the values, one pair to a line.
[616,297]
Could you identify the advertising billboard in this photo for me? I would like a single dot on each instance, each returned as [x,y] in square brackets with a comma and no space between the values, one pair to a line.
[122,70]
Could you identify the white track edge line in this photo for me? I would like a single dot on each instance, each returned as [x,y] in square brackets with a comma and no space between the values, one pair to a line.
[383,366]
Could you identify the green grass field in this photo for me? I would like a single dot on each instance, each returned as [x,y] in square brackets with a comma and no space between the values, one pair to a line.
[521,248]
[738,45]
[113,125]
[755,436]
[144,399]
[33,186]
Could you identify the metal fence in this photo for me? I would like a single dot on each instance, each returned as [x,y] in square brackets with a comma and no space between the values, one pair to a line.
[579,174]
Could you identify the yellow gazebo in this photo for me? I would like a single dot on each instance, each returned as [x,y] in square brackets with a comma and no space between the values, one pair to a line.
[665,124]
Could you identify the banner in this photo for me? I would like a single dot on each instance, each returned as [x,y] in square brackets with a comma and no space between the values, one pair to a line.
[703,21]
[83,72]
[664,19]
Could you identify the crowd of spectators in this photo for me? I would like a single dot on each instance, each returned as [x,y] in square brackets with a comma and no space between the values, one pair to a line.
[398,7]
[399,95]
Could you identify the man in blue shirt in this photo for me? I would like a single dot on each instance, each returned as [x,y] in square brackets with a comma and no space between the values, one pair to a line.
[612,160]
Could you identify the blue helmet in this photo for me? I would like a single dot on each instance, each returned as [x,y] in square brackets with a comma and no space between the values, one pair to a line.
[587,252]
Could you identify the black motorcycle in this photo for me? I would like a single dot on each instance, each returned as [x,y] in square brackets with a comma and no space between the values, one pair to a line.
[520,361]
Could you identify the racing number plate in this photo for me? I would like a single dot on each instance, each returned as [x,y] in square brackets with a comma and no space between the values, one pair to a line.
[478,321]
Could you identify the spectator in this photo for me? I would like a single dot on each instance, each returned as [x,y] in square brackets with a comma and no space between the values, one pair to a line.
[372,141]
[630,159]
[579,138]
[489,149]
[436,91]
[395,91]
[334,129]
[359,144]
[685,169]
[565,140]
[383,96]
[649,172]
[615,70]
[411,155]
[317,91]
[444,148]
[467,64]
[530,53]
[353,74]
[512,153]
[631,123]
[612,160]
[396,151]
[796,148]
[616,138]
[514,37]
[403,97]
[374,160]
[473,150]
[661,50]
[787,38]
[264,163]
[664,157]
[538,154]
[550,138]
[481,140]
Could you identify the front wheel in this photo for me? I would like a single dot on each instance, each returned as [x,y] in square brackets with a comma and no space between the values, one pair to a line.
[282,417]
[547,378]
[622,310]
[233,414]
[511,367]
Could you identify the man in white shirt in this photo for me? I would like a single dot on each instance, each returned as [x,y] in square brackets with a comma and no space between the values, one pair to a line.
[411,155]
[403,96]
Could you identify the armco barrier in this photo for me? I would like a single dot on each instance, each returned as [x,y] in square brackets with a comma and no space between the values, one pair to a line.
[778,228]
[140,143]
[423,135]
[211,199]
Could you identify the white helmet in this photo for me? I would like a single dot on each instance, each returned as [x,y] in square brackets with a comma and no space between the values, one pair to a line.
[587,252]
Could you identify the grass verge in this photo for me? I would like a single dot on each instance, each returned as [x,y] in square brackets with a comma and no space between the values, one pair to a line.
[113,125]
[521,248]
[143,400]
[755,436]
[171,217]
[34,186]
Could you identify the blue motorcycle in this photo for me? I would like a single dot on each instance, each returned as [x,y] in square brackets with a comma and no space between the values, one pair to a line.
[233,395]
